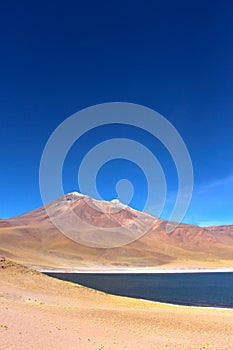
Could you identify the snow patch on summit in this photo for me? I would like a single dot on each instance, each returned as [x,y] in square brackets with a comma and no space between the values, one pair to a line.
[74,195]
[118,203]
[115,201]
[77,194]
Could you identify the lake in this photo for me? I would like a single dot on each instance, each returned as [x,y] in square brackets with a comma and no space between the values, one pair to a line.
[197,289]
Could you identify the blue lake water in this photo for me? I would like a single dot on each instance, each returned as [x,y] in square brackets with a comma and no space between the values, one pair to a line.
[197,289]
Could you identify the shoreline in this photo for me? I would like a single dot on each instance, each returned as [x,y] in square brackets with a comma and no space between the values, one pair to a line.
[183,305]
[162,303]
[103,270]
[39,312]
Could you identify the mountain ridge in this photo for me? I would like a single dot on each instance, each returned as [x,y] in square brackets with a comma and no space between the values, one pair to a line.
[33,239]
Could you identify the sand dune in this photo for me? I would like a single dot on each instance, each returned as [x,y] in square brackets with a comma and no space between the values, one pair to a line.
[39,312]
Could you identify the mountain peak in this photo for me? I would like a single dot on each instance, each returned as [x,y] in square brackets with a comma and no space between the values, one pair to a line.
[76,194]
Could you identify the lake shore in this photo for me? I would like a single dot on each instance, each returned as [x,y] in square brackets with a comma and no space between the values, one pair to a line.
[102,270]
[39,312]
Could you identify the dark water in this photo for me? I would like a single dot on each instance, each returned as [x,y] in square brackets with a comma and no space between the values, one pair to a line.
[199,289]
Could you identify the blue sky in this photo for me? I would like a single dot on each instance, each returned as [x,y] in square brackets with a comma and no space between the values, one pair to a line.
[172,56]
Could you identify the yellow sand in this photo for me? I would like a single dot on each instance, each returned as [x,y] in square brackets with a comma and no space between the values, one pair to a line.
[39,312]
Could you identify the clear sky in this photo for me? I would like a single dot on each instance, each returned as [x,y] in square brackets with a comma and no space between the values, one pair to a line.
[172,56]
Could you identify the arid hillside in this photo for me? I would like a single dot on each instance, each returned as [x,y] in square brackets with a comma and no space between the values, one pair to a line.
[34,240]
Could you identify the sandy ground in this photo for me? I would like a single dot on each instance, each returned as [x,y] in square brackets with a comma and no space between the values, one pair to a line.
[39,312]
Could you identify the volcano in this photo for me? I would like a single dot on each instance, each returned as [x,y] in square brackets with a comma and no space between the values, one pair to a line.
[107,236]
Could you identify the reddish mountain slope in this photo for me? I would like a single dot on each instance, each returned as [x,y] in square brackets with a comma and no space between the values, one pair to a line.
[33,239]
